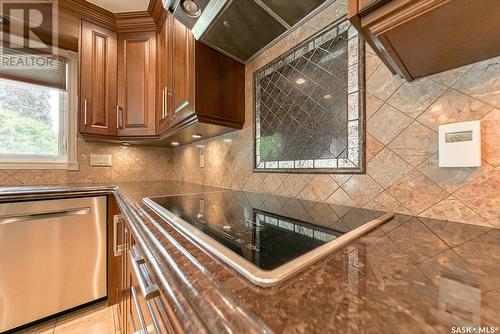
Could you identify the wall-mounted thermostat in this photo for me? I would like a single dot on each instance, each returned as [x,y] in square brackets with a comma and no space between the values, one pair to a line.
[460,144]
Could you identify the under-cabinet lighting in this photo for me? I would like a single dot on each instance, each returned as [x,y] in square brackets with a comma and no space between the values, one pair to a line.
[124,143]
[196,136]
[175,143]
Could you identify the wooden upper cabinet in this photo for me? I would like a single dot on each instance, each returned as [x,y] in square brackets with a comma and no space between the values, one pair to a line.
[98,72]
[164,102]
[417,38]
[183,77]
[136,83]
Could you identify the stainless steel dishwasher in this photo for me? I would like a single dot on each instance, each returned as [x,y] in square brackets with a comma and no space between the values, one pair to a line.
[52,257]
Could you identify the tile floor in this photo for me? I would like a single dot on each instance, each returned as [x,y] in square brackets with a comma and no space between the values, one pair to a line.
[93,319]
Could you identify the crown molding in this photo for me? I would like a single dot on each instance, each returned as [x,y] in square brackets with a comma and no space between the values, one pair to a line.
[134,22]
[90,12]
[158,13]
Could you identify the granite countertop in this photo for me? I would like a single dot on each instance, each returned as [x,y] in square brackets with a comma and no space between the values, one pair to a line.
[410,275]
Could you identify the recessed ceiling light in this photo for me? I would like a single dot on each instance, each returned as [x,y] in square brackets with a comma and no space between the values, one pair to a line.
[175,143]
[196,136]
[327,97]
[200,146]
[300,81]
[228,140]
[191,8]
[125,143]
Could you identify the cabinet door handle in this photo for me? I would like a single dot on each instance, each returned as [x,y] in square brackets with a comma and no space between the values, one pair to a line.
[119,117]
[147,291]
[172,115]
[166,102]
[117,249]
[163,104]
[85,112]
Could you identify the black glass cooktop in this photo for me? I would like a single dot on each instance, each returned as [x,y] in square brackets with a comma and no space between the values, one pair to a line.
[266,230]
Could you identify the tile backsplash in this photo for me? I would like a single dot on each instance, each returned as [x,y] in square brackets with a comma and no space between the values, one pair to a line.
[402,161]
[129,163]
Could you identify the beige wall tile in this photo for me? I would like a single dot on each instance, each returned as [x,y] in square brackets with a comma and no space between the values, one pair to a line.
[454,210]
[382,83]
[417,192]
[490,137]
[451,179]
[362,189]
[483,197]
[482,81]
[415,144]
[414,97]
[372,105]
[387,123]
[377,167]
[452,107]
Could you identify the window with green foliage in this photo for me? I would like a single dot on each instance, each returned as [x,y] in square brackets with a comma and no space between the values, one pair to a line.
[30,118]
[38,106]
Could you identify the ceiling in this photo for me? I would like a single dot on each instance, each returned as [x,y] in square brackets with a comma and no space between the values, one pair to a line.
[120,6]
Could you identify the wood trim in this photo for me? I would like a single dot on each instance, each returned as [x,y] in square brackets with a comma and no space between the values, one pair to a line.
[149,20]
[158,13]
[398,13]
[389,17]
[134,22]
[88,11]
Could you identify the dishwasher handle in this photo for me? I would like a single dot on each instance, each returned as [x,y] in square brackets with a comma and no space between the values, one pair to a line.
[148,291]
[9,219]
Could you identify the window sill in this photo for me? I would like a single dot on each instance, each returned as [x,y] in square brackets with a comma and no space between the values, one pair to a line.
[39,165]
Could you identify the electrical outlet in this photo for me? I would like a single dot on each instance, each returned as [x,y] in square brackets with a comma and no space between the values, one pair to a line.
[100,159]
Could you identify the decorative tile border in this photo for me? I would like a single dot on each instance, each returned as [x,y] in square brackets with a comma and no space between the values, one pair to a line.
[354,160]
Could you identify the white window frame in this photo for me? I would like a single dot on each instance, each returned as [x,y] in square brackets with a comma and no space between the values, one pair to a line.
[68,128]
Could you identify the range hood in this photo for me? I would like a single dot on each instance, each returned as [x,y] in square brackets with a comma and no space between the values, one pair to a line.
[242,29]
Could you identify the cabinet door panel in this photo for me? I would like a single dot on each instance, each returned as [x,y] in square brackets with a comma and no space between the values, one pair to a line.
[137,83]
[164,89]
[183,68]
[98,80]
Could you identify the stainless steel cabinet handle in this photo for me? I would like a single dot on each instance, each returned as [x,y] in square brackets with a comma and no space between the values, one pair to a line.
[117,117]
[117,249]
[8,219]
[85,112]
[166,102]
[148,291]
[172,116]
[163,104]
[138,310]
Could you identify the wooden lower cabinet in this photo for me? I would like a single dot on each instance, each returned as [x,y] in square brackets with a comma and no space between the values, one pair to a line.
[139,311]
